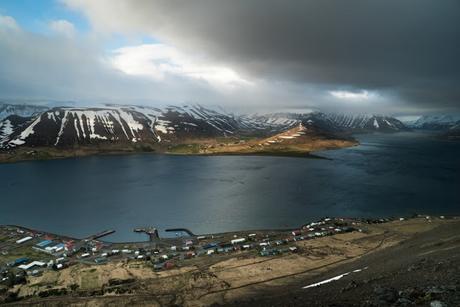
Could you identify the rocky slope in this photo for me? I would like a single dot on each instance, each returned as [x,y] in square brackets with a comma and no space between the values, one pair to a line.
[422,270]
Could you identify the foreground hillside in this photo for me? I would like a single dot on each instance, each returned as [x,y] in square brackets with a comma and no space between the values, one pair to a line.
[333,262]
[421,270]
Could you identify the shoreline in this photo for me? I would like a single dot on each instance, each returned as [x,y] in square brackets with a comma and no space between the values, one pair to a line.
[290,143]
[369,220]
[43,154]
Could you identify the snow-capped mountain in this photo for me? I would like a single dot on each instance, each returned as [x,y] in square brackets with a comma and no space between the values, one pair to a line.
[68,126]
[366,122]
[125,124]
[270,123]
[453,132]
[437,122]
[333,122]
[318,121]
[23,110]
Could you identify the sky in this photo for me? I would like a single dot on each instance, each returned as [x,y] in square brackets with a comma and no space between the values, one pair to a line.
[389,57]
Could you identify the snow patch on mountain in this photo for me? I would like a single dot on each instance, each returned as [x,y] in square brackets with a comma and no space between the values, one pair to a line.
[25,133]
[6,129]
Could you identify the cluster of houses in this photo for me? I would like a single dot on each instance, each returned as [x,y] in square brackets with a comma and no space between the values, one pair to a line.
[57,256]
[60,253]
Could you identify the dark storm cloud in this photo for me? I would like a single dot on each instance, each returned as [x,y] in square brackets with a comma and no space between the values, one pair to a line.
[410,47]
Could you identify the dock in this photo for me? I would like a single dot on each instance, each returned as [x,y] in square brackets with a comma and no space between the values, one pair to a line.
[190,233]
[152,232]
[100,235]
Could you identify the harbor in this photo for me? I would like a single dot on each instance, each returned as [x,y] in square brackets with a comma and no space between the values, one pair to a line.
[47,251]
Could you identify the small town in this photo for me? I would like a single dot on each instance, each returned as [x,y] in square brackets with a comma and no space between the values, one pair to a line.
[26,253]
[53,252]
[37,263]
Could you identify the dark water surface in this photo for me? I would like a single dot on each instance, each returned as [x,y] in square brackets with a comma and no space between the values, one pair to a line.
[386,175]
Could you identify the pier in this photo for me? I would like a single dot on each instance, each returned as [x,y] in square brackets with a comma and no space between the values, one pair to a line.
[181,230]
[152,232]
[100,235]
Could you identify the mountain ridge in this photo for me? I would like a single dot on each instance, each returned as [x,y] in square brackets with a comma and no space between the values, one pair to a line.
[437,122]
[185,129]
[67,126]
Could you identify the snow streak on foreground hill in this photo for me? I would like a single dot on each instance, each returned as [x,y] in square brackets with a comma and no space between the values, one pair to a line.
[64,127]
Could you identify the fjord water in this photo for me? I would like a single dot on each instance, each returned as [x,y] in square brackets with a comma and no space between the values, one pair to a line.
[386,175]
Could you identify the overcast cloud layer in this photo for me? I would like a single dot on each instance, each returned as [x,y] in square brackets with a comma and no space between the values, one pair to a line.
[392,56]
